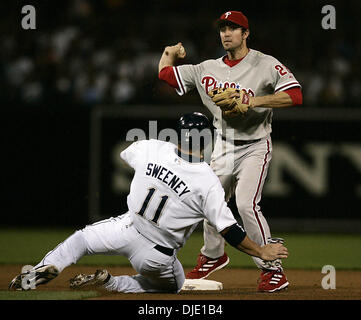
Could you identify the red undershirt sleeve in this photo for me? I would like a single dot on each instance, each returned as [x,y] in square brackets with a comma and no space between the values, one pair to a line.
[167,75]
[296,95]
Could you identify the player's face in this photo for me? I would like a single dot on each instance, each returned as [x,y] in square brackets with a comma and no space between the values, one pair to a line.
[232,37]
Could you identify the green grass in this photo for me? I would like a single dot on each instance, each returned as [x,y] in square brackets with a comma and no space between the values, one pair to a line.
[309,251]
[29,246]
[47,295]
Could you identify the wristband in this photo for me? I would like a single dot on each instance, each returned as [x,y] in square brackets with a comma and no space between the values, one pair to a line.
[235,235]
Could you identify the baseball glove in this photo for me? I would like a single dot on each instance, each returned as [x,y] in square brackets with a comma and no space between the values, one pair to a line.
[231,101]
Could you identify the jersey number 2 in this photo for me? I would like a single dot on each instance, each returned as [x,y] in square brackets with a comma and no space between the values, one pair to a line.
[160,206]
[281,70]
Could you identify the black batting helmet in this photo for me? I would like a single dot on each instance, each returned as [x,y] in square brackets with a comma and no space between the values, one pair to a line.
[195,120]
[192,128]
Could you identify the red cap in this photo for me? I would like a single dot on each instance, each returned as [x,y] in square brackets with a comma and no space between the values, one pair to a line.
[236,17]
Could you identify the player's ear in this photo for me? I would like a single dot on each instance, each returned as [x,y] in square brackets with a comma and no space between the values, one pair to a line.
[246,33]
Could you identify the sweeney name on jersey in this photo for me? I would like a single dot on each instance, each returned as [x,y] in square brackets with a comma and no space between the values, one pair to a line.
[167,177]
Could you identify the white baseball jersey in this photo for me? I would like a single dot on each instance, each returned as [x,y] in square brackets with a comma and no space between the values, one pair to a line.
[257,74]
[169,196]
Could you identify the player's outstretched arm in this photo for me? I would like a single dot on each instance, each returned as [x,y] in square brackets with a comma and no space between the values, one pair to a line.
[268,252]
[170,55]
[236,237]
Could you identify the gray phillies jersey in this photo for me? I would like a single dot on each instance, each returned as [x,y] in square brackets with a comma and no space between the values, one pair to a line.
[169,196]
[257,74]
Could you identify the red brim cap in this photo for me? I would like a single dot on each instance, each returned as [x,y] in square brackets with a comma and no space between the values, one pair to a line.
[236,17]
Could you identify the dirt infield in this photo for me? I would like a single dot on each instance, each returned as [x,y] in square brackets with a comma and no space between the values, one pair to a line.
[239,284]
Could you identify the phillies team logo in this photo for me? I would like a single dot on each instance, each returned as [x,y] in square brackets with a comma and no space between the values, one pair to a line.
[227,14]
[210,83]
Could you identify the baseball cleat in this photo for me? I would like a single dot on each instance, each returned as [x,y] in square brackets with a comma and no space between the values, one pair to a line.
[206,266]
[29,277]
[272,281]
[99,278]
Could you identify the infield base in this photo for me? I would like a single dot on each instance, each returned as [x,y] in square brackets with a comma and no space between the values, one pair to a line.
[201,284]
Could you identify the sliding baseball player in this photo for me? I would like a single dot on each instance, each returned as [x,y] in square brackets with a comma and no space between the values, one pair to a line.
[173,189]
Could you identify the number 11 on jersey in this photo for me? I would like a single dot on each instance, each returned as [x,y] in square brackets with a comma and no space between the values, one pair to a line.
[160,208]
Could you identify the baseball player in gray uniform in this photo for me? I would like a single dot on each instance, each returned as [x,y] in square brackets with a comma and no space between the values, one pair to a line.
[243,147]
[167,199]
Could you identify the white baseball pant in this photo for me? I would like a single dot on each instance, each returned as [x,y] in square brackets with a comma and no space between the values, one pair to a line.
[242,170]
[158,272]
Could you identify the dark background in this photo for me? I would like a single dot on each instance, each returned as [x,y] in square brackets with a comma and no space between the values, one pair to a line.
[84,54]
